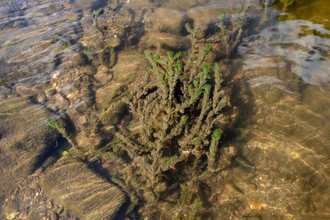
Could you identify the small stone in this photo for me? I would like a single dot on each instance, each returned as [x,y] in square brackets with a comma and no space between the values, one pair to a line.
[41,98]
[251,187]
[106,165]
[238,76]
[25,91]
[39,170]
[245,152]
[49,204]
[231,150]
[269,162]
[67,6]
[60,209]
[113,42]
[23,215]
[56,74]
[54,216]
[132,40]
[224,198]
[83,121]
[61,102]
[78,59]
[12,215]
[50,92]
[89,70]
[103,75]
[34,186]
[126,120]
[86,93]
[275,164]
[58,89]
[52,107]
[263,146]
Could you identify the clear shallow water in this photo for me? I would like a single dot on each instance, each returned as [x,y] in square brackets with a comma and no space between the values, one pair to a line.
[278,80]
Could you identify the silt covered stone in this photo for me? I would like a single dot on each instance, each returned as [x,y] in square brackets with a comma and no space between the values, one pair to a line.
[81,191]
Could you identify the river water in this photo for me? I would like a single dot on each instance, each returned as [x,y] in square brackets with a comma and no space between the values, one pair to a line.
[61,61]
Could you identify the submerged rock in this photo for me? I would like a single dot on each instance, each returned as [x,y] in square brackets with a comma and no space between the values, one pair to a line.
[50,92]
[73,187]
[89,70]
[103,75]
[168,20]
[24,140]
[25,91]
[41,98]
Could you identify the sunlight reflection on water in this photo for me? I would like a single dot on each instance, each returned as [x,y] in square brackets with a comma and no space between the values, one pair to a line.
[307,53]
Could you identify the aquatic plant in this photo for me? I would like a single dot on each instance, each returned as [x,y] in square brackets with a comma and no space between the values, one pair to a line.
[99,12]
[177,117]
[286,4]
[231,29]
[103,54]
[115,102]
[51,122]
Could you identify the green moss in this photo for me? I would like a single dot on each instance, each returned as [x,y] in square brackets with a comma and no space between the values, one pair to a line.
[89,54]
[184,194]
[99,12]
[222,16]
[217,134]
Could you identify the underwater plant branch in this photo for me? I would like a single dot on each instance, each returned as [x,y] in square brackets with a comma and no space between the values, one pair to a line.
[119,90]
[206,105]
[124,96]
[152,60]
[101,55]
[112,58]
[193,40]
[89,54]
[134,199]
[167,163]
[109,110]
[218,77]
[184,195]
[216,109]
[130,147]
[213,149]
[178,128]
[65,134]
[188,103]
[143,86]
[199,61]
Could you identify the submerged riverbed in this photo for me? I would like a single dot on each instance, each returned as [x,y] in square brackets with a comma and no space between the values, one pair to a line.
[70,148]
